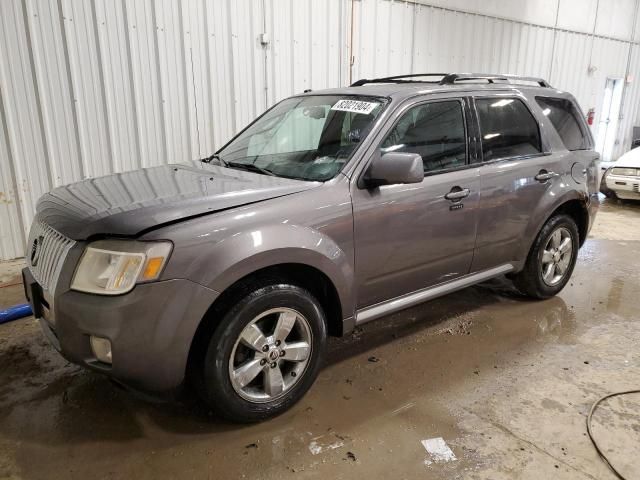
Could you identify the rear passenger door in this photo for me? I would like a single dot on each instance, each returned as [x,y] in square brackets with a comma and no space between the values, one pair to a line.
[408,237]
[517,169]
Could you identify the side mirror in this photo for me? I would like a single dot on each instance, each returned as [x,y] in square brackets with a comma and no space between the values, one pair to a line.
[394,168]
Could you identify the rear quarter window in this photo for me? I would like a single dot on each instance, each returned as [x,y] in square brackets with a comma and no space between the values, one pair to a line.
[565,118]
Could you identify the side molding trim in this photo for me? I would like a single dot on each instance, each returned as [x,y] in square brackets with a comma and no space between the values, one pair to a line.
[378,310]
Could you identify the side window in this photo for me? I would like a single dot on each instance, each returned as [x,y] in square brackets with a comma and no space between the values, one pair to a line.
[507,128]
[433,130]
[564,116]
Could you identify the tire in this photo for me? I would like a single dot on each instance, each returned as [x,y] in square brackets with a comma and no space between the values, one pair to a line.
[539,279]
[229,384]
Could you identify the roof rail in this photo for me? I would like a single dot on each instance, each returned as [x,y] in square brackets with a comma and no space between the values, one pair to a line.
[452,78]
[400,79]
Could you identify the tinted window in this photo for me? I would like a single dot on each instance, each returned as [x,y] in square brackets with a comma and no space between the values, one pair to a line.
[435,131]
[507,128]
[564,117]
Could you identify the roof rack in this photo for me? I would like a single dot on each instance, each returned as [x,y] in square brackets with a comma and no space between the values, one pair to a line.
[453,78]
[400,79]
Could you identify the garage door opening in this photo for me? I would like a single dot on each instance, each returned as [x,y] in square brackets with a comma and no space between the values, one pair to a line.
[608,125]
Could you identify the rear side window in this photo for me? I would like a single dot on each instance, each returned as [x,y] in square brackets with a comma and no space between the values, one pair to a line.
[507,128]
[435,131]
[564,117]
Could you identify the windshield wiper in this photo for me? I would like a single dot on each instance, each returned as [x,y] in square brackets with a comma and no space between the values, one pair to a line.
[217,157]
[244,166]
[250,167]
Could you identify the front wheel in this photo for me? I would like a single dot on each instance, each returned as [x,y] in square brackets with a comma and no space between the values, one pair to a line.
[551,259]
[265,353]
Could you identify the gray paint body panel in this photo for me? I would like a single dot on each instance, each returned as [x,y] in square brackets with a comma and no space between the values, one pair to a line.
[128,203]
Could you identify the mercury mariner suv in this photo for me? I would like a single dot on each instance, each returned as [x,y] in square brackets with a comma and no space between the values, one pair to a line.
[332,209]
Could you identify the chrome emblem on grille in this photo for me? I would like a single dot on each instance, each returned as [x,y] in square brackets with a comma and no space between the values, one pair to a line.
[35,250]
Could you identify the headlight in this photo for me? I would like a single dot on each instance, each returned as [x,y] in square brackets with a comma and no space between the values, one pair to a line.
[625,172]
[112,267]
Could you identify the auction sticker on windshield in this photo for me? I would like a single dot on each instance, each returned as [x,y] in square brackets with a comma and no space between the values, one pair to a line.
[355,106]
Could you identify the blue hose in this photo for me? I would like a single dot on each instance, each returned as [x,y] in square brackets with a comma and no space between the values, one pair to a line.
[15,312]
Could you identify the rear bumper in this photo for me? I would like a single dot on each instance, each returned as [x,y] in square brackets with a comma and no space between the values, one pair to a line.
[592,210]
[150,329]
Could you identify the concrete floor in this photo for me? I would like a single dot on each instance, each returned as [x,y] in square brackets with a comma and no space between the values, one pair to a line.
[505,382]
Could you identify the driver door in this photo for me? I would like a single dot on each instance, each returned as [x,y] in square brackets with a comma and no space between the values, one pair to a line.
[411,236]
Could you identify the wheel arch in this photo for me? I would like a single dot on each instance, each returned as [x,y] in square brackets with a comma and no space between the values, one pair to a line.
[573,205]
[303,275]
[579,212]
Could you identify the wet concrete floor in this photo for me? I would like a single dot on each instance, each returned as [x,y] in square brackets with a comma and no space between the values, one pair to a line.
[506,382]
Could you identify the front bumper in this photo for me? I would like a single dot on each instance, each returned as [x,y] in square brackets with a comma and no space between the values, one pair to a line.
[624,187]
[150,328]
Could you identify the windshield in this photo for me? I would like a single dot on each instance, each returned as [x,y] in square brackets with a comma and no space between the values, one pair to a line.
[308,138]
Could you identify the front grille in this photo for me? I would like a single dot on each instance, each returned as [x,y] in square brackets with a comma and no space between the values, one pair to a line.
[636,187]
[46,251]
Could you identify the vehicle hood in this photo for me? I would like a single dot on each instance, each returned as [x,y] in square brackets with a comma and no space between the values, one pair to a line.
[631,159]
[129,203]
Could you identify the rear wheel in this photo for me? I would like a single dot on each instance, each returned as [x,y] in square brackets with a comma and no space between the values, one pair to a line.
[265,353]
[551,259]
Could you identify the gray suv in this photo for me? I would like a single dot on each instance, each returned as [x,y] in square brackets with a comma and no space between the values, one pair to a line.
[332,209]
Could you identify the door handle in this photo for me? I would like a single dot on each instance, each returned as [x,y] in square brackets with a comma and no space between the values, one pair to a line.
[457,193]
[543,175]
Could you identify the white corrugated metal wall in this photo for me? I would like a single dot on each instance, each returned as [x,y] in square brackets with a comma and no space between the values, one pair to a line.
[91,87]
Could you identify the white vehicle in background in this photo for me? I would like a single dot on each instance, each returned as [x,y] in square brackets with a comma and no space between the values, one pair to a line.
[621,179]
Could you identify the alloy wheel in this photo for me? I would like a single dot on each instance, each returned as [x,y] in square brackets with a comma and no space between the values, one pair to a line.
[556,256]
[270,355]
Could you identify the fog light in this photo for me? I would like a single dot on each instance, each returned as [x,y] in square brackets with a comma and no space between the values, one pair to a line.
[101,348]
